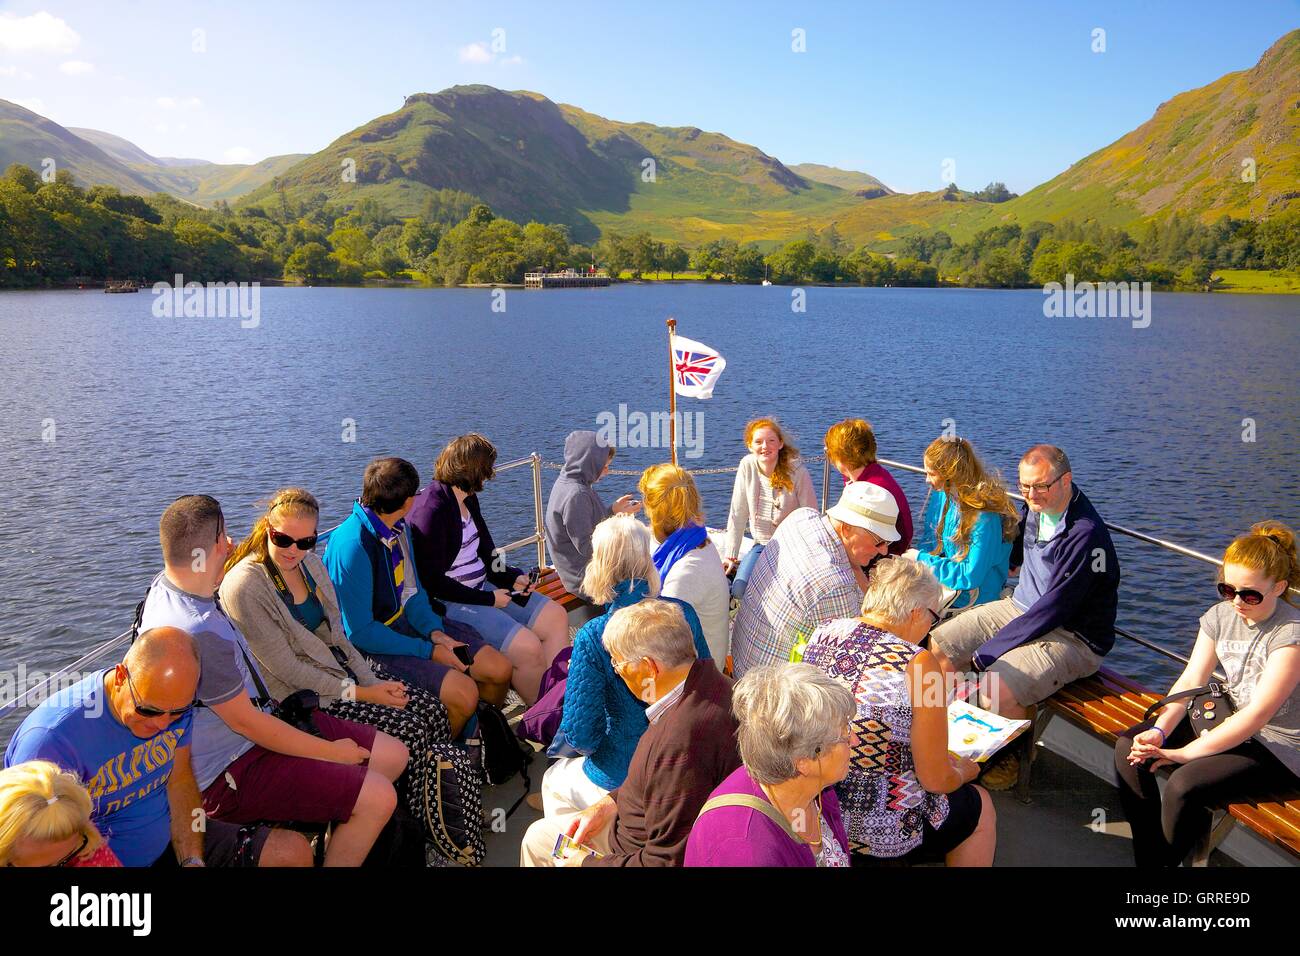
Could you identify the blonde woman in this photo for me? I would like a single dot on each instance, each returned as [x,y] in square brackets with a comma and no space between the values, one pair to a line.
[45,819]
[279,594]
[602,719]
[969,523]
[1253,633]
[770,483]
[689,566]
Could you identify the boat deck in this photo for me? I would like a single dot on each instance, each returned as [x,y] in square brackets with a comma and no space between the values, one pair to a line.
[1055,829]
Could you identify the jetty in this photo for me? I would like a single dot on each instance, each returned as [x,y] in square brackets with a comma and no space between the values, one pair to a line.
[568,279]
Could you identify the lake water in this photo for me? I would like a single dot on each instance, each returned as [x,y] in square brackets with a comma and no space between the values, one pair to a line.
[141,410]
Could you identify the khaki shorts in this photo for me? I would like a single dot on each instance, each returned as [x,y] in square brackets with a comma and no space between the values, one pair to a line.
[1034,671]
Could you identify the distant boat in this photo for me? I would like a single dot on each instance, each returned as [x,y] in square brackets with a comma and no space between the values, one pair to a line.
[127,285]
[765,279]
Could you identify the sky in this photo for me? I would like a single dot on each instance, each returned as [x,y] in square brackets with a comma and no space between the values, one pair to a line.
[1012,92]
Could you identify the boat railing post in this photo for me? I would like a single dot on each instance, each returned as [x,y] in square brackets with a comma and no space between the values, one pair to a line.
[537,510]
[826,477]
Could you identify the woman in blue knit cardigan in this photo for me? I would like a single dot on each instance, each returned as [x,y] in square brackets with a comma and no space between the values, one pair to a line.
[603,720]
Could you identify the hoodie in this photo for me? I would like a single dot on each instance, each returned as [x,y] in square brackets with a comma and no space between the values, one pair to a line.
[574,509]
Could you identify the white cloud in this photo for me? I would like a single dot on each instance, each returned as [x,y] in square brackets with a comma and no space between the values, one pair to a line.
[76,67]
[515,60]
[175,103]
[475,53]
[37,33]
[238,154]
[35,105]
[8,71]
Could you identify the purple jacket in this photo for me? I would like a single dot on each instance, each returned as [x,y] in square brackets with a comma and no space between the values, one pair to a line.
[739,836]
[435,536]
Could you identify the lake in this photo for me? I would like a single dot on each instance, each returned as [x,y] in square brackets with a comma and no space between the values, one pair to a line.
[1186,429]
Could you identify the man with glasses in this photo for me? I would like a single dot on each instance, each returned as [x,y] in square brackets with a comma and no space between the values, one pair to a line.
[1060,621]
[126,732]
[812,571]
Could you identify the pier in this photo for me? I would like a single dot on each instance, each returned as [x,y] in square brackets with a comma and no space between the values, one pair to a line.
[568,279]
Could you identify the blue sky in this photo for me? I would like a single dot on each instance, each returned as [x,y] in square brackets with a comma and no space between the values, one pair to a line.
[1009,91]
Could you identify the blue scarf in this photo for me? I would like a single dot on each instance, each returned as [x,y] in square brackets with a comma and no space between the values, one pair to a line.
[678,544]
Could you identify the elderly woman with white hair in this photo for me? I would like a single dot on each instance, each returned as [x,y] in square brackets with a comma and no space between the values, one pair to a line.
[779,807]
[905,797]
[602,719]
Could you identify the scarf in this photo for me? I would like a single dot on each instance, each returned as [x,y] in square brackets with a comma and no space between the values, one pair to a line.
[678,544]
[389,538]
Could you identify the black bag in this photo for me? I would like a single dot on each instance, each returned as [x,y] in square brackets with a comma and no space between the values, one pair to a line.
[1207,707]
[501,753]
[297,709]
[453,805]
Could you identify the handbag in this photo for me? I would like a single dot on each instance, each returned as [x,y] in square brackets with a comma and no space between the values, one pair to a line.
[1208,706]
[297,711]
[453,805]
[541,722]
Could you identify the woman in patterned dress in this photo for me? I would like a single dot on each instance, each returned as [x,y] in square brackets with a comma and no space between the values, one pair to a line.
[904,796]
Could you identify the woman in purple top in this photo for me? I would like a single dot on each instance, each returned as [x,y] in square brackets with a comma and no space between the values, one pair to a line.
[851,448]
[779,807]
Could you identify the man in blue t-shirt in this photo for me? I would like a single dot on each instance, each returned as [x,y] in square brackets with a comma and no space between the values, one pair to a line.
[126,733]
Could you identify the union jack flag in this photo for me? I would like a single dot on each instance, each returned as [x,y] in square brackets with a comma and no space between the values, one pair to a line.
[696,368]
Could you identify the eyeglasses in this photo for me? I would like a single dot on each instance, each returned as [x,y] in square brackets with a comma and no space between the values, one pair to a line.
[1248,595]
[282,540]
[1041,489]
[148,712]
[620,665]
[934,619]
[75,853]
[844,738]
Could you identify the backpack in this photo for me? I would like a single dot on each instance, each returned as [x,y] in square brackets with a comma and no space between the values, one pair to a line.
[453,805]
[541,722]
[501,753]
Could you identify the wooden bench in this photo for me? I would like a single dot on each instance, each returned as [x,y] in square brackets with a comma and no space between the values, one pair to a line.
[1107,704]
[550,585]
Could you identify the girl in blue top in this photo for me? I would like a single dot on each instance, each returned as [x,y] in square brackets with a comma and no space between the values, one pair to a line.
[969,523]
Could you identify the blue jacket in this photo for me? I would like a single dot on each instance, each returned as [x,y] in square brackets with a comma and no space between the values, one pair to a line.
[602,718]
[1082,589]
[986,562]
[357,563]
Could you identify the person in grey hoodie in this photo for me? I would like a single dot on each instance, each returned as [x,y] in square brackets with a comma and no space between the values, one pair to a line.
[574,509]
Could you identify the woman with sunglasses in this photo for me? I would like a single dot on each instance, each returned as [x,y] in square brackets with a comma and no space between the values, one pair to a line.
[1252,747]
[905,797]
[279,594]
[45,819]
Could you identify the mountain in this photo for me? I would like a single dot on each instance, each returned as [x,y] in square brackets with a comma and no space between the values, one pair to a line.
[1189,156]
[31,139]
[849,179]
[530,158]
[197,180]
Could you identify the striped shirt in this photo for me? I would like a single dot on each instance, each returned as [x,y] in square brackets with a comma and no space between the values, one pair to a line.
[468,567]
[802,579]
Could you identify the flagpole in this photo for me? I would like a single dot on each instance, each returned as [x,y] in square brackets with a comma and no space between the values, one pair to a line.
[672,388]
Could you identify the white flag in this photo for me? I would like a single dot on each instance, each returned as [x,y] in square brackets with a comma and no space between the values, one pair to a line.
[696,368]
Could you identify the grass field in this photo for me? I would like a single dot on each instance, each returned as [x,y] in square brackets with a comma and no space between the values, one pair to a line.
[1258,280]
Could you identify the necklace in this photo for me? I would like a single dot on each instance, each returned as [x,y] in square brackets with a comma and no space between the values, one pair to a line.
[817,802]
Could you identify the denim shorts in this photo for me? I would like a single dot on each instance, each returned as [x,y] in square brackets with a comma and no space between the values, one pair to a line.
[498,625]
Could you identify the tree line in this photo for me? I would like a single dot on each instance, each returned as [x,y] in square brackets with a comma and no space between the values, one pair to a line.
[57,233]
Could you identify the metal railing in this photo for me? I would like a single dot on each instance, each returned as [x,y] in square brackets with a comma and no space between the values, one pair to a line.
[538,538]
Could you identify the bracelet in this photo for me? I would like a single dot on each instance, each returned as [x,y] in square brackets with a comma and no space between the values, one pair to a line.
[1163,737]
[193,861]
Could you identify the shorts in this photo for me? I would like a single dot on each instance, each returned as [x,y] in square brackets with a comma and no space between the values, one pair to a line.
[264,785]
[224,844]
[424,673]
[1033,671]
[498,625]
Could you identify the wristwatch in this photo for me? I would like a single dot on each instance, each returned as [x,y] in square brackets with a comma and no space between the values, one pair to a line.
[193,861]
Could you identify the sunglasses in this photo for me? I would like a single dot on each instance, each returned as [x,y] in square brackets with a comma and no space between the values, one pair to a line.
[144,710]
[1248,595]
[282,540]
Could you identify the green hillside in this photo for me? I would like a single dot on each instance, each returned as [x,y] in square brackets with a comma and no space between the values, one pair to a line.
[852,180]
[30,139]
